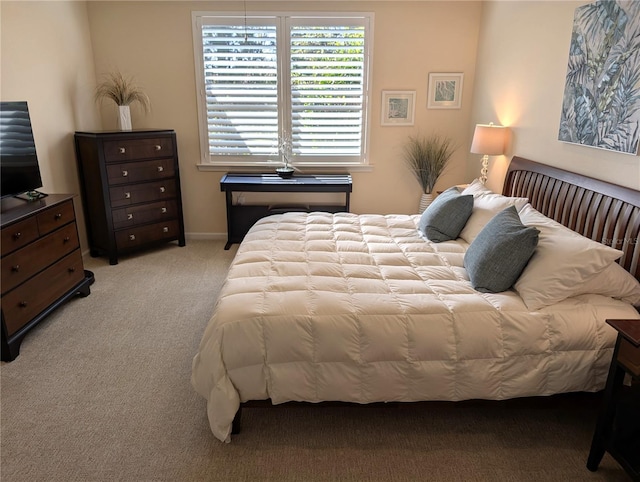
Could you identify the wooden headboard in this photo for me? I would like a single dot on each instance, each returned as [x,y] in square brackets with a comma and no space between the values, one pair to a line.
[599,210]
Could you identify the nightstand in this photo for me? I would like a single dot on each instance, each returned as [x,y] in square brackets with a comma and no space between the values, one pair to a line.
[618,427]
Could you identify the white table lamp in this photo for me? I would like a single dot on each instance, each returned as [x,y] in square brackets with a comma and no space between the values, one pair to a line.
[488,140]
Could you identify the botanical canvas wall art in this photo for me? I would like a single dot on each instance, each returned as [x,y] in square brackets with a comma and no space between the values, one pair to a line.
[601,106]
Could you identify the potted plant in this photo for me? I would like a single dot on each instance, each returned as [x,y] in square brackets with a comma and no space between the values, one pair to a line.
[124,92]
[427,157]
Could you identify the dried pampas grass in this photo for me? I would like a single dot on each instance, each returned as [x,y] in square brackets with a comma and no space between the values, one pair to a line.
[122,90]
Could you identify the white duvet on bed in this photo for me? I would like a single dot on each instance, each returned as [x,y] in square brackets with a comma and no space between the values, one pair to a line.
[362,309]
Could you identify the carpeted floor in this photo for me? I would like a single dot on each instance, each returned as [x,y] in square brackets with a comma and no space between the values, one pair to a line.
[101,392]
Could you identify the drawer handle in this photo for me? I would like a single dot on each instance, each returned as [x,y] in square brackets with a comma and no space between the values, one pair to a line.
[163,210]
[162,189]
[22,304]
[132,237]
[72,270]
[125,173]
[17,235]
[58,216]
[66,239]
[122,150]
[127,195]
[15,268]
[160,168]
[158,147]
[165,229]
[129,216]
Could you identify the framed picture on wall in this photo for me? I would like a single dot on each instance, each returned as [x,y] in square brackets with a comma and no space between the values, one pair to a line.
[398,107]
[445,91]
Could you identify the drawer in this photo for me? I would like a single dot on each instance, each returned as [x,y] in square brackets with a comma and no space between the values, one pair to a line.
[131,149]
[142,193]
[130,238]
[18,234]
[27,301]
[140,171]
[144,214]
[24,263]
[55,217]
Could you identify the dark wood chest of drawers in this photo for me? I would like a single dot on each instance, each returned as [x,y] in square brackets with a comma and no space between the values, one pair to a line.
[41,264]
[130,190]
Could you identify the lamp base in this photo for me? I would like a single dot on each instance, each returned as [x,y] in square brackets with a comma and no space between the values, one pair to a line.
[485,169]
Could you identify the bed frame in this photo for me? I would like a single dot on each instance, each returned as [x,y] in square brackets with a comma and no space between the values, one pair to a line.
[604,212]
[599,210]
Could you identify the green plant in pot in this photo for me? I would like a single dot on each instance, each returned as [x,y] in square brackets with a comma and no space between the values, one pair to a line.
[427,157]
[124,92]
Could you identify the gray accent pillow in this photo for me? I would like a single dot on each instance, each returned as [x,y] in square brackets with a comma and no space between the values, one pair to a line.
[445,217]
[498,255]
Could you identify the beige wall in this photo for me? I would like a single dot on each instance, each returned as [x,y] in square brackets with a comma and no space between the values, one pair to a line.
[153,41]
[52,53]
[47,60]
[521,69]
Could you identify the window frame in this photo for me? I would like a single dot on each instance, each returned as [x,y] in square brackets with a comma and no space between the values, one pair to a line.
[284,20]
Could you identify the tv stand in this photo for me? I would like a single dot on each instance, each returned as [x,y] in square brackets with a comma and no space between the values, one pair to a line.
[41,265]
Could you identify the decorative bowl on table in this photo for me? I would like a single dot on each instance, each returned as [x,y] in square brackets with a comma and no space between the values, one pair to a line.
[285,172]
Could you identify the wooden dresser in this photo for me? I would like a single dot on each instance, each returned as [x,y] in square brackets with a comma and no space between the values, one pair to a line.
[130,190]
[41,264]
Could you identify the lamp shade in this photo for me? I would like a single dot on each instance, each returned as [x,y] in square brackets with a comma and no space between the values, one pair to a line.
[489,139]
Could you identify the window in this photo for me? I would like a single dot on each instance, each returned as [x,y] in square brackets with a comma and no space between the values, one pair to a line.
[291,85]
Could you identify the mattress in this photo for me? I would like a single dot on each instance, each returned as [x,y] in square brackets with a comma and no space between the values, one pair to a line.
[361,308]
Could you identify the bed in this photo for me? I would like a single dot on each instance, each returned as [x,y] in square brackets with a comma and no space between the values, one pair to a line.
[364,308]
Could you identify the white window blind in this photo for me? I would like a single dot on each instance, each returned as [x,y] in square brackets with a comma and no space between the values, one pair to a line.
[327,89]
[268,79]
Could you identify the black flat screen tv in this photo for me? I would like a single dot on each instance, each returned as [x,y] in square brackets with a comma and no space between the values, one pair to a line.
[19,169]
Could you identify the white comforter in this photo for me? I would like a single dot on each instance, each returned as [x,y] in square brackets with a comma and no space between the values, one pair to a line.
[362,309]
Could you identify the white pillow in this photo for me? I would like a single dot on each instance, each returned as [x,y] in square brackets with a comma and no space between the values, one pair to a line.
[613,281]
[561,264]
[476,187]
[486,205]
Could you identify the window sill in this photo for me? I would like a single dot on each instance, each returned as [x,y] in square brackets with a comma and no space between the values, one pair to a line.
[336,168]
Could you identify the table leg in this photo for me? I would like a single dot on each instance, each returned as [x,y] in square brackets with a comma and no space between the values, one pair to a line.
[602,432]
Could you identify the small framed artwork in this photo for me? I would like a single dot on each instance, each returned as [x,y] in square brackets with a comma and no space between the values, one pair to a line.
[398,107]
[445,91]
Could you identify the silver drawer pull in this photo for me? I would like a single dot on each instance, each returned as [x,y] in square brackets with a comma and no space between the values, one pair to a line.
[57,216]
[132,237]
[72,270]
[122,150]
[129,216]
[17,235]
[158,147]
[165,229]
[125,173]
[127,195]
[160,168]
[162,189]
[163,210]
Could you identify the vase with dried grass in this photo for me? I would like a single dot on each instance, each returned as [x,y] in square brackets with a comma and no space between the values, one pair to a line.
[124,92]
[427,158]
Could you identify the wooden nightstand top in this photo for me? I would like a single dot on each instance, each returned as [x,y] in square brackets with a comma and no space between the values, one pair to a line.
[629,329]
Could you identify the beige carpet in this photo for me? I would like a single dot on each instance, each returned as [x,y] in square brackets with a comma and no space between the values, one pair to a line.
[101,392]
